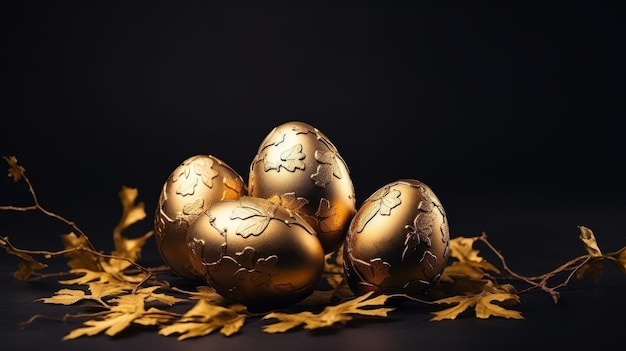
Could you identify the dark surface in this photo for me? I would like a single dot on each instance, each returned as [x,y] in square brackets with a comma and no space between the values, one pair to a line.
[509,113]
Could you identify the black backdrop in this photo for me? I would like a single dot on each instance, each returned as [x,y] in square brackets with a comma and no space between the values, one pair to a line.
[510,111]
[521,100]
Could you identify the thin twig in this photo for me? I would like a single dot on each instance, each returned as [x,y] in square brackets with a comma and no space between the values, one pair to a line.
[37,207]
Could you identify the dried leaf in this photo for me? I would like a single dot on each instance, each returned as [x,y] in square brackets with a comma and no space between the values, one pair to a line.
[64,297]
[164,298]
[461,270]
[326,297]
[333,267]
[16,171]
[462,249]
[132,213]
[340,313]
[79,258]
[592,269]
[203,319]
[128,309]
[27,265]
[72,296]
[202,292]
[128,251]
[589,240]
[482,303]
[209,295]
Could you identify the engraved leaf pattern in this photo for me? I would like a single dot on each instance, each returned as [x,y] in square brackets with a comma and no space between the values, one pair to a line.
[233,190]
[389,201]
[297,130]
[323,176]
[327,169]
[290,159]
[254,220]
[429,264]
[253,226]
[187,187]
[419,233]
[383,204]
[419,284]
[425,205]
[194,208]
[328,215]
[293,202]
[204,168]
[274,139]
[182,170]
[245,258]
[375,271]
[259,272]
[264,270]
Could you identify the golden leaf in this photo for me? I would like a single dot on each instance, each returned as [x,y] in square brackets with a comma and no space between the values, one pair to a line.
[461,269]
[209,295]
[150,296]
[101,290]
[128,309]
[131,212]
[98,291]
[203,292]
[203,319]
[593,269]
[589,241]
[482,303]
[291,159]
[333,267]
[27,265]
[462,249]
[204,168]
[112,324]
[65,297]
[129,250]
[325,297]
[340,313]
[16,171]
[153,316]
[79,258]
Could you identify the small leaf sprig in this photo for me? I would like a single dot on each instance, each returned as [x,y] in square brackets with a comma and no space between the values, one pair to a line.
[470,281]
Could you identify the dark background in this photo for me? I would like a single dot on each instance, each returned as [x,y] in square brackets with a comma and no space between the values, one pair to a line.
[510,111]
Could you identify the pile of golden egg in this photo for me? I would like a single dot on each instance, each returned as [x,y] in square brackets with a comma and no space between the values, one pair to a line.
[264,243]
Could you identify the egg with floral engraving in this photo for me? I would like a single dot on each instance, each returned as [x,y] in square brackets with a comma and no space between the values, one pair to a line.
[299,167]
[191,188]
[256,252]
[398,241]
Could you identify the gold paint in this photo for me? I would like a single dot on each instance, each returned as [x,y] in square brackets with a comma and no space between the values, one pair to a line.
[398,241]
[257,253]
[297,162]
[195,184]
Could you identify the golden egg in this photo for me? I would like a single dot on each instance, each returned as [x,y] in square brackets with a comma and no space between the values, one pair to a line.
[298,167]
[256,252]
[196,183]
[398,241]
